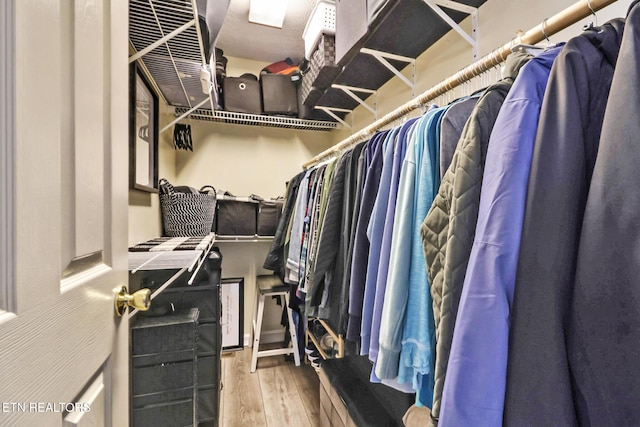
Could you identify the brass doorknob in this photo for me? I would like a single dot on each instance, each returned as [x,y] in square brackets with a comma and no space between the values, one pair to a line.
[140,300]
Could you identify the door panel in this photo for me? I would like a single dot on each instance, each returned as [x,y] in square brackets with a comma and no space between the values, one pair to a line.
[63,343]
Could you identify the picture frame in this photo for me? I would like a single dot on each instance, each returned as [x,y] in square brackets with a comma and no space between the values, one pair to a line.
[232,316]
[143,132]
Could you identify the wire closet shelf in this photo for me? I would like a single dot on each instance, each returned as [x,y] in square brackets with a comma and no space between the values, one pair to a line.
[548,27]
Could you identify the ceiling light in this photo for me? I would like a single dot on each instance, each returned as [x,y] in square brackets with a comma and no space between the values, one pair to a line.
[268,12]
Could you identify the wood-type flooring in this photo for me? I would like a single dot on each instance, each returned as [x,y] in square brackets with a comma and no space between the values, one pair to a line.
[278,394]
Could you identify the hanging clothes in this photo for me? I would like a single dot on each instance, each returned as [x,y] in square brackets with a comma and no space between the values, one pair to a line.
[448,228]
[405,141]
[604,349]
[539,381]
[453,121]
[339,294]
[374,234]
[415,193]
[292,267]
[325,268]
[275,259]
[487,292]
[373,166]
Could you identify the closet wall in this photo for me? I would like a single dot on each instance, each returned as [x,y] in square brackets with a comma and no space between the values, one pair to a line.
[247,160]
[144,208]
[500,20]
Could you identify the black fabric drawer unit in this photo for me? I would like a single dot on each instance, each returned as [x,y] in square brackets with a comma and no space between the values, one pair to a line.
[164,369]
[150,335]
[242,94]
[236,218]
[210,338]
[205,298]
[208,399]
[279,95]
[178,414]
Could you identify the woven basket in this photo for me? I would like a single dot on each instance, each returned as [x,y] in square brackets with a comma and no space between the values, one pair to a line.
[186,214]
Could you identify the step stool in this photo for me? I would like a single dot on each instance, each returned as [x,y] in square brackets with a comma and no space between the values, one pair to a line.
[269,286]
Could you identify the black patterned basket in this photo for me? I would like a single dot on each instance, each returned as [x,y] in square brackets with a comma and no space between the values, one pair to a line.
[186,214]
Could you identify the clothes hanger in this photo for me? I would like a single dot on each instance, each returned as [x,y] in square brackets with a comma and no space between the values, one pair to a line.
[590,25]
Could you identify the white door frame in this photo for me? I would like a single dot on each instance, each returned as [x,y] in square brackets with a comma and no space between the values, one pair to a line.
[7,154]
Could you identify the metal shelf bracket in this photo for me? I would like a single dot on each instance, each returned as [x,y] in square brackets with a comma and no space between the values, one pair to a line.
[383,58]
[472,38]
[349,90]
[330,111]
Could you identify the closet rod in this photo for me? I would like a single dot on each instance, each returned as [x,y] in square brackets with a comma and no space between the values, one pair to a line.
[556,23]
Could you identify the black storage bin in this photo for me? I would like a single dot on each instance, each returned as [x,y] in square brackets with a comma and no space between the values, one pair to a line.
[279,94]
[268,217]
[237,217]
[242,94]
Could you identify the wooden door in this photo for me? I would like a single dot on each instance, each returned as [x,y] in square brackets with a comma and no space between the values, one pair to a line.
[63,352]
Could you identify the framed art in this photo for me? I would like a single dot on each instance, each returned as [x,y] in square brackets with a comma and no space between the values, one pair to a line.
[143,132]
[232,322]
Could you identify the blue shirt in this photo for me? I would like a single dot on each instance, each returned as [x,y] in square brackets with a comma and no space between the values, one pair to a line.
[474,388]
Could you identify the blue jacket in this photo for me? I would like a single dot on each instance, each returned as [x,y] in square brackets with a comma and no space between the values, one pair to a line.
[476,376]
[540,379]
[406,266]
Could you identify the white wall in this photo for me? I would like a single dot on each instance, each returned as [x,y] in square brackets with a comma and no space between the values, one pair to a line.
[247,160]
[144,208]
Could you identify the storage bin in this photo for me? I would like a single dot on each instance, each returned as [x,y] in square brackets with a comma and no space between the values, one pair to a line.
[236,216]
[322,66]
[352,23]
[242,94]
[279,94]
[268,217]
[204,298]
[308,94]
[321,21]
[149,335]
[185,214]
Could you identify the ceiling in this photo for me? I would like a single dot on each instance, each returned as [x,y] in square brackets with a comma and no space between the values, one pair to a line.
[243,39]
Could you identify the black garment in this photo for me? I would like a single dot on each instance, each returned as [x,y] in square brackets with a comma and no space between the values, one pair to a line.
[326,271]
[350,207]
[276,258]
[539,380]
[603,332]
[360,241]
